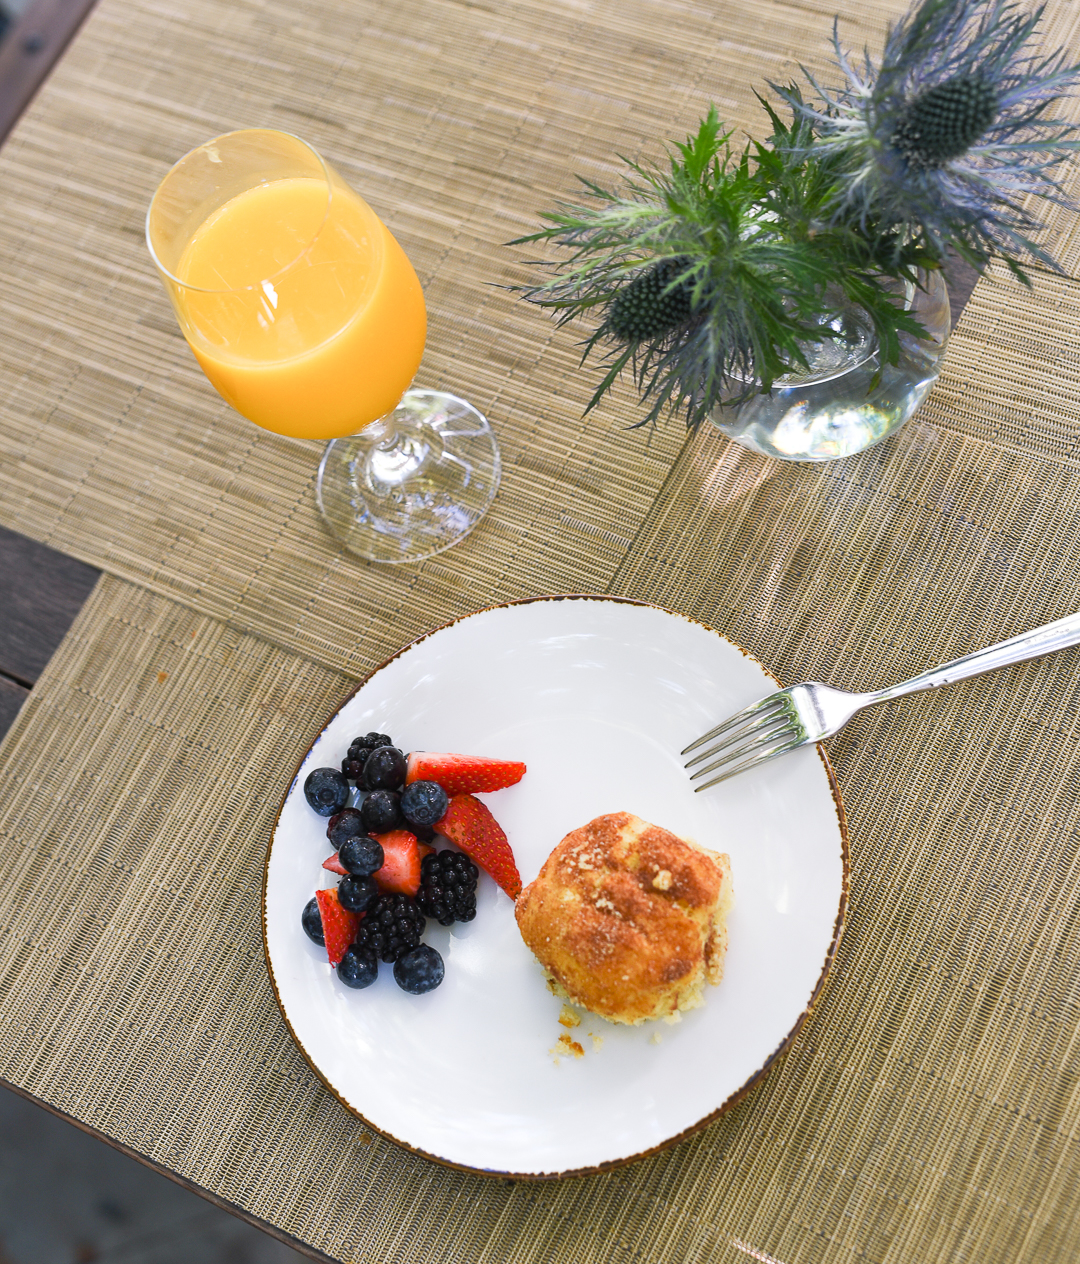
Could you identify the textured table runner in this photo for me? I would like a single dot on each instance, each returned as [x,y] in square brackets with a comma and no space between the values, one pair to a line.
[930,1110]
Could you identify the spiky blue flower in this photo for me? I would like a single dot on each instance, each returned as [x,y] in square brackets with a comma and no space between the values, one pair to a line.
[950,135]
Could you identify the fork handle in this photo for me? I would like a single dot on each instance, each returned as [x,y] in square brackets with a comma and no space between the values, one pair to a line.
[1058,635]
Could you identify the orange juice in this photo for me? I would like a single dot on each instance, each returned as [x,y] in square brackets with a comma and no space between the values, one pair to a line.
[302,309]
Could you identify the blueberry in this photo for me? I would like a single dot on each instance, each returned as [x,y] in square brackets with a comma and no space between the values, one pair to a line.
[381,812]
[384,769]
[362,856]
[311,920]
[420,970]
[357,894]
[424,803]
[344,825]
[358,969]
[326,790]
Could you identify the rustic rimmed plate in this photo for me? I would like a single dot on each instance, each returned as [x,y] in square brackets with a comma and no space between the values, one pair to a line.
[598,696]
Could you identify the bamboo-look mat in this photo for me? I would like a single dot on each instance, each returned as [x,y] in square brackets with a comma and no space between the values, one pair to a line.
[460,123]
[930,1110]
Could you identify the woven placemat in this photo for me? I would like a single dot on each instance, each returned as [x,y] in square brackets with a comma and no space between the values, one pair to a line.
[460,123]
[134,994]
[928,1111]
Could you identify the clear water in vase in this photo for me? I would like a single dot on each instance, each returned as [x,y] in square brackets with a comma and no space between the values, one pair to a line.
[848,400]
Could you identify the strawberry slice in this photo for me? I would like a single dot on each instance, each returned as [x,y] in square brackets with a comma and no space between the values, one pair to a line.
[470,825]
[463,774]
[400,872]
[339,925]
[334,865]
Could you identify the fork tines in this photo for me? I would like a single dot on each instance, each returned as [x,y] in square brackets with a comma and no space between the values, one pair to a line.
[759,732]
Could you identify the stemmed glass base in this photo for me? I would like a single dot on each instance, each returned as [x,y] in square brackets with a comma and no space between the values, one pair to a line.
[412,483]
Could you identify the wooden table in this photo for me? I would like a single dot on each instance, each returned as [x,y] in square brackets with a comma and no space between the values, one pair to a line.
[41,591]
[928,1109]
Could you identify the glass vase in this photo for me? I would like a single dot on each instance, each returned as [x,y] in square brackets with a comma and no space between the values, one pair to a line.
[847,400]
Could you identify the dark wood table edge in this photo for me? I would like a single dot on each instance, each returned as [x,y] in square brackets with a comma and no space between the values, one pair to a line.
[184,1182]
[30,49]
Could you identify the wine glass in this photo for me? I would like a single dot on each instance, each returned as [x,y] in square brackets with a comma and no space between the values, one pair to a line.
[308,318]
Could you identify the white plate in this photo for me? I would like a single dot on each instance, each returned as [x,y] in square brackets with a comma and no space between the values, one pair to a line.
[597,696]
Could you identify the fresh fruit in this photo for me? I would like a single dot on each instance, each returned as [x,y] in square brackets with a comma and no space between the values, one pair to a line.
[352,766]
[358,968]
[339,924]
[311,920]
[384,769]
[463,774]
[470,825]
[420,970]
[390,878]
[326,790]
[344,825]
[381,812]
[357,894]
[362,856]
[391,927]
[400,869]
[447,887]
[424,802]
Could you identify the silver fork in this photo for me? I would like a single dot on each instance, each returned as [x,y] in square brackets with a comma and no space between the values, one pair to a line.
[802,714]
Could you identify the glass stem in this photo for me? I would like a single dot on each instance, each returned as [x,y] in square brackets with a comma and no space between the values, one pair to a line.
[396,451]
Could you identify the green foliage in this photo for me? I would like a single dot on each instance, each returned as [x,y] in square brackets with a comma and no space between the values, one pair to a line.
[711,277]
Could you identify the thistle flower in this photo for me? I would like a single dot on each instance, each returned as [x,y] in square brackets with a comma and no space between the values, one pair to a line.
[951,133]
[711,277]
[715,277]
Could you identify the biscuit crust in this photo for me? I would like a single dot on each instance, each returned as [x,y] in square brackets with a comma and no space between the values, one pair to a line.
[629,919]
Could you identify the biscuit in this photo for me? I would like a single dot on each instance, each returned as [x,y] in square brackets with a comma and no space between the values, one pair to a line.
[628,919]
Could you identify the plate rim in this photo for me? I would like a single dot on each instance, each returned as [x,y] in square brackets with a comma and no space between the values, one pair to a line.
[734,1098]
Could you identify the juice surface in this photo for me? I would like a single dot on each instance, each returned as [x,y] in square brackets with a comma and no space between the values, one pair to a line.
[315,346]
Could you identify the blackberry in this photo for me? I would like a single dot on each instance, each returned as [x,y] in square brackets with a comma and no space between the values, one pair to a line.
[384,769]
[352,766]
[646,309]
[424,803]
[420,970]
[345,825]
[311,920]
[945,121]
[326,791]
[448,887]
[391,927]
[358,969]
[352,769]
[381,812]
